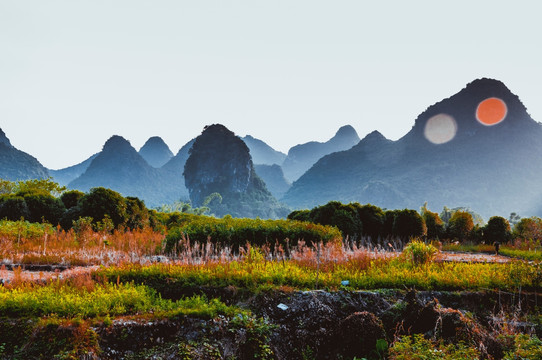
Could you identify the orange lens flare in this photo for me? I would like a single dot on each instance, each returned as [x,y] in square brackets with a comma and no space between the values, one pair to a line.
[491,111]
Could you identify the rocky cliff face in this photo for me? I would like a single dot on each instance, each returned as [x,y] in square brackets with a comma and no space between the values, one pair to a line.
[220,162]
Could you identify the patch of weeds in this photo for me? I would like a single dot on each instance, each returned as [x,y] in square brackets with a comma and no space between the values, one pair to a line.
[255,343]
[416,347]
[420,253]
[525,347]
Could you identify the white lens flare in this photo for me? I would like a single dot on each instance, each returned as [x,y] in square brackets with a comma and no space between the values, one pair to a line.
[440,129]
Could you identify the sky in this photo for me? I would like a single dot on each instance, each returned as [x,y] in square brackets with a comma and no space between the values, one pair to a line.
[73,73]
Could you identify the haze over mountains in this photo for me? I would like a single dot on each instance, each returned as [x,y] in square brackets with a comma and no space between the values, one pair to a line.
[479,148]
[301,157]
[449,158]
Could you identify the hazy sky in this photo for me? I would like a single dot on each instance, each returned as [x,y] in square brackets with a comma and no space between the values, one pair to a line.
[73,73]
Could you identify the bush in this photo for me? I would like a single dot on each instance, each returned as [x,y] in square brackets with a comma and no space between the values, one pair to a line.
[235,232]
[420,253]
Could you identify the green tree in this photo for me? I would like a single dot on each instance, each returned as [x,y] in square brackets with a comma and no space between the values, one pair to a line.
[39,186]
[300,215]
[408,223]
[137,215]
[100,202]
[13,208]
[460,225]
[43,207]
[389,219]
[372,217]
[71,198]
[529,229]
[334,213]
[434,224]
[497,229]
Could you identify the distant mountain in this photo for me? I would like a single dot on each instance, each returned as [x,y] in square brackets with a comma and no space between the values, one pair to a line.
[478,148]
[156,152]
[220,162]
[274,179]
[301,157]
[173,170]
[18,165]
[120,167]
[66,175]
[262,153]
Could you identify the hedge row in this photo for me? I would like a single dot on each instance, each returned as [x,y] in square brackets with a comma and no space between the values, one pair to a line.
[236,232]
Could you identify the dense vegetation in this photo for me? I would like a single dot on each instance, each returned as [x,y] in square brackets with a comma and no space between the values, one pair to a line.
[251,261]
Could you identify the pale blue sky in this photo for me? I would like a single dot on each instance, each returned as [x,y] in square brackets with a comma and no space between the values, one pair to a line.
[73,73]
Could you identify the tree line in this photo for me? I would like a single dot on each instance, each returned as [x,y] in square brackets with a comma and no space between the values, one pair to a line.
[45,201]
[355,221]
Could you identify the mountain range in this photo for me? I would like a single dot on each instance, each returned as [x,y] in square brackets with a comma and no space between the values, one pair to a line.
[478,148]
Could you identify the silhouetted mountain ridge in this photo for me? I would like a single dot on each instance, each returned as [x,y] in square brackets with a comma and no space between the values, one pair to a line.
[155,152]
[18,165]
[262,153]
[492,169]
[301,157]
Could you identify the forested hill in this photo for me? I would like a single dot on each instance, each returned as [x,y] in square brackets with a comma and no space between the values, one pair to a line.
[479,148]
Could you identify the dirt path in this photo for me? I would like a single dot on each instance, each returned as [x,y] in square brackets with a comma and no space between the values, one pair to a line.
[25,275]
[449,256]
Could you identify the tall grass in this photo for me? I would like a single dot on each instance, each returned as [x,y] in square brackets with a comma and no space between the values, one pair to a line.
[32,243]
[309,272]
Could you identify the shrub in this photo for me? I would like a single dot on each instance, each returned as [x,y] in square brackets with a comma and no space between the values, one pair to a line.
[420,253]
[419,348]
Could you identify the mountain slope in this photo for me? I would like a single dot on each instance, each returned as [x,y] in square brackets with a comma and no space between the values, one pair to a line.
[449,157]
[262,153]
[301,157]
[172,171]
[120,167]
[66,175]
[18,165]
[274,179]
[155,152]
